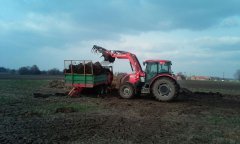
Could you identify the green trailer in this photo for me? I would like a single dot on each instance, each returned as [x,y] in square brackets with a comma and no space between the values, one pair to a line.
[85,80]
[81,74]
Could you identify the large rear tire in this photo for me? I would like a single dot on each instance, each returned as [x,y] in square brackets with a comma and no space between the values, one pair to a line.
[126,91]
[164,89]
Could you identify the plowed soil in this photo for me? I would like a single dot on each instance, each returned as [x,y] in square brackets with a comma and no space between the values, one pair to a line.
[199,117]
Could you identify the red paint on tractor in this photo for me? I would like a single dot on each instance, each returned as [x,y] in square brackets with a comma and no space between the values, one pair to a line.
[138,80]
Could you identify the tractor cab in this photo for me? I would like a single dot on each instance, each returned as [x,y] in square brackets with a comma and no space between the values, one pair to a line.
[156,67]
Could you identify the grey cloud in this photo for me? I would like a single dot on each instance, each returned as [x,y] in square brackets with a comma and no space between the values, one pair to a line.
[60,24]
[140,15]
[109,19]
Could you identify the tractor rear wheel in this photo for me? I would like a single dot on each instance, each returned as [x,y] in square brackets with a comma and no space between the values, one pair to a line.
[126,91]
[164,89]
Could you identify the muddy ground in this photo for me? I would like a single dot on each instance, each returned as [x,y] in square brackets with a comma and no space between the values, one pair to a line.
[53,117]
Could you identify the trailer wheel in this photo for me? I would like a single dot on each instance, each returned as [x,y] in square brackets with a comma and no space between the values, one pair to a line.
[126,91]
[164,89]
[100,89]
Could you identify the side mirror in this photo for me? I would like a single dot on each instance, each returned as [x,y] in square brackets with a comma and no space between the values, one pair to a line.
[144,63]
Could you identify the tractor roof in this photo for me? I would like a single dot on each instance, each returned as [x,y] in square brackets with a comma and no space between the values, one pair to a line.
[157,61]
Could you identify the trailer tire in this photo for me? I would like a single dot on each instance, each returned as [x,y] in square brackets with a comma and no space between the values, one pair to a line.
[126,91]
[164,89]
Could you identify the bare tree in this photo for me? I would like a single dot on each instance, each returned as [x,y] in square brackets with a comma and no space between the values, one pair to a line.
[54,71]
[35,70]
[27,70]
[237,74]
[24,70]
[3,69]
[181,76]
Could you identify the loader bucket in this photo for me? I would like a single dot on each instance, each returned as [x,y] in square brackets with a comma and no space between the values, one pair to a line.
[105,53]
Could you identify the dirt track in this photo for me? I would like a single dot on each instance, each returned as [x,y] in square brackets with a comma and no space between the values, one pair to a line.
[196,118]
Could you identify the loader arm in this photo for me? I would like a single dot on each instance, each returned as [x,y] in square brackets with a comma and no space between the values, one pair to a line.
[110,55]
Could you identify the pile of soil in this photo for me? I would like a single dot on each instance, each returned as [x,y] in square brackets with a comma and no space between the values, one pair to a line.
[88,68]
[56,84]
[53,88]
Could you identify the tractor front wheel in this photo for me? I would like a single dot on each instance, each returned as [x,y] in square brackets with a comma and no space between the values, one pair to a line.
[164,89]
[126,91]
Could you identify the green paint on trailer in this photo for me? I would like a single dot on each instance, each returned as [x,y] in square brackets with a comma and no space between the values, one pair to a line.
[85,79]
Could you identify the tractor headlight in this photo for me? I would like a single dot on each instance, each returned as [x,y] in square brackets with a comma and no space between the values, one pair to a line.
[142,79]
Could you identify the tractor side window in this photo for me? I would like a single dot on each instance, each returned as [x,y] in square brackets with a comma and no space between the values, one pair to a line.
[163,68]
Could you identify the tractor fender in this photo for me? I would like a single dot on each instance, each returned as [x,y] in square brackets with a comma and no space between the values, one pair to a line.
[163,75]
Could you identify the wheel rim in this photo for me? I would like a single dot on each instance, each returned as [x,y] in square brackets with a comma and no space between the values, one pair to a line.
[164,90]
[126,91]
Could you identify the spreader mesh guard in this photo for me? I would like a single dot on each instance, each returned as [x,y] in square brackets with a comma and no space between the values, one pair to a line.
[78,66]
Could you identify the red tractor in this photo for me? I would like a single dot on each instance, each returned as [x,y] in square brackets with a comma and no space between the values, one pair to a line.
[157,79]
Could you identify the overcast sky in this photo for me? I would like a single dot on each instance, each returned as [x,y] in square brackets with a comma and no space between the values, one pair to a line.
[201,37]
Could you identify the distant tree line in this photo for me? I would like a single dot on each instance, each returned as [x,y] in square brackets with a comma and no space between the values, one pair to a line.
[31,70]
[7,70]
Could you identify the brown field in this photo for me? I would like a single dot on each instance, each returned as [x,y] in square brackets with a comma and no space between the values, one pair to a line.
[211,114]
[223,87]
